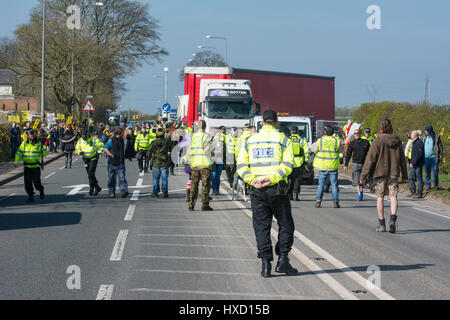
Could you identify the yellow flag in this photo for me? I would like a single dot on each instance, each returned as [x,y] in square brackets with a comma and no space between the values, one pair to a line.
[69,120]
[36,123]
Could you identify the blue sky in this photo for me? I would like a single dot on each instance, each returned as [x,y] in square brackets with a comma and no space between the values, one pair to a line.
[323,37]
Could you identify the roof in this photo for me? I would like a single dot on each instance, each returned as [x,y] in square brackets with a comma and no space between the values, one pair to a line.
[7,77]
[301,75]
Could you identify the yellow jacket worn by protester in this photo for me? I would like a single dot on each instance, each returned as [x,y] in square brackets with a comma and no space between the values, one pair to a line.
[89,147]
[230,144]
[199,153]
[328,153]
[142,142]
[31,153]
[300,148]
[267,154]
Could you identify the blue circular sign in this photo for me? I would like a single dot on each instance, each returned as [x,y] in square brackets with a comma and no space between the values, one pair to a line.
[166,107]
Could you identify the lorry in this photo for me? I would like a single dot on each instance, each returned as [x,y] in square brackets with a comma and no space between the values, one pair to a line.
[293,93]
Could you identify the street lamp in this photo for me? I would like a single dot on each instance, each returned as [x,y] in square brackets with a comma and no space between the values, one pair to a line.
[226,45]
[203,47]
[43,63]
[166,83]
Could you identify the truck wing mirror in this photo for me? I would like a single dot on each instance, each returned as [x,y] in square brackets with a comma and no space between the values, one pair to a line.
[199,109]
[258,109]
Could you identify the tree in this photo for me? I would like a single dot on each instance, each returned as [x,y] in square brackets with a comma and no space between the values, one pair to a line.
[7,52]
[205,58]
[115,40]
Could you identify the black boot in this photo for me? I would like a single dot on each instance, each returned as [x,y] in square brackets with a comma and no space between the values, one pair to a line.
[41,193]
[91,191]
[30,198]
[392,221]
[206,207]
[97,190]
[283,265]
[188,193]
[296,197]
[381,226]
[266,268]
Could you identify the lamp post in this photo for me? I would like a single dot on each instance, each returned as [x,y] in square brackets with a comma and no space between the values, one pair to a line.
[43,63]
[203,47]
[226,45]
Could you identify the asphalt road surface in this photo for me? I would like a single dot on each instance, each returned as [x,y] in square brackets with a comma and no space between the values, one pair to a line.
[75,246]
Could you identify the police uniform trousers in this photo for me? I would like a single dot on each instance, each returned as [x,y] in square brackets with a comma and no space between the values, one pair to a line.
[91,167]
[32,176]
[230,170]
[267,203]
[142,159]
[295,180]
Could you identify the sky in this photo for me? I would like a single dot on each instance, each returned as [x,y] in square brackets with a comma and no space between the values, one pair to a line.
[320,37]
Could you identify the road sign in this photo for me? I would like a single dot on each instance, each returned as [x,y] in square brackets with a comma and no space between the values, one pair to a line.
[166,107]
[89,106]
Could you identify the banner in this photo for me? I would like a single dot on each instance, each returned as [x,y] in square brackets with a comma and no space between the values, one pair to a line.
[25,116]
[36,124]
[60,116]
[69,120]
[51,118]
[15,118]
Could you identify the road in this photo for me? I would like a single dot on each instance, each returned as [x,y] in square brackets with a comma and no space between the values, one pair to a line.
[75,246]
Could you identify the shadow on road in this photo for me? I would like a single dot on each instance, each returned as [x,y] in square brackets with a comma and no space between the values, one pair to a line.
[422,231]
[364,268]
[12,221]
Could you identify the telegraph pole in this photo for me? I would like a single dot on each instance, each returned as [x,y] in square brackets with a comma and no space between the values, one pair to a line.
[427,91]
[43,63]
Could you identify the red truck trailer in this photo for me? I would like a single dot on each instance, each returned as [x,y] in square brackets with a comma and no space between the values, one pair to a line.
[293,93]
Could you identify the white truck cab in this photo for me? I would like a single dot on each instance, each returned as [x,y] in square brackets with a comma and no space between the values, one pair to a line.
[227,103]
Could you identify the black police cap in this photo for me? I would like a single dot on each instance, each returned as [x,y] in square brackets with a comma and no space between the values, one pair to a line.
[270,115]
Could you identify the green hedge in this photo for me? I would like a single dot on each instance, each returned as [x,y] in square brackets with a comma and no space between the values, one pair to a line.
[406,117]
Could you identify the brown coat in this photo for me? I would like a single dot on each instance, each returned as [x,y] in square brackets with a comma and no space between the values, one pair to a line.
[386,158]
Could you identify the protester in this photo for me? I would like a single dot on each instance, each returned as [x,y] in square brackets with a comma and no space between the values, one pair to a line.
[434,153]
[416,165]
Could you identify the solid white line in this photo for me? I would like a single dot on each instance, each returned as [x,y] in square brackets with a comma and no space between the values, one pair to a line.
[117,252]
[62,168]
[141,174]
[139,182]
[135,196]
[192,245]
[130,212]
[188,235]
[193,258]
[226,294]
[432,213]
[105,292]
[252,274]
[51,174]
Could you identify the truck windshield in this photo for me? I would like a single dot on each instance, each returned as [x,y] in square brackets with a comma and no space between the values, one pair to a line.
[229,110]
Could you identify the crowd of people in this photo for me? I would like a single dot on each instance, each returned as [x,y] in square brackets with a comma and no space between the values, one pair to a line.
[269,162]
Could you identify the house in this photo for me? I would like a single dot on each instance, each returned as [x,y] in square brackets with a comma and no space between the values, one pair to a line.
[8,101]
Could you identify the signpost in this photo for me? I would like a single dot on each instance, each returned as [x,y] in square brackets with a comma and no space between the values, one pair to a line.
[89,107]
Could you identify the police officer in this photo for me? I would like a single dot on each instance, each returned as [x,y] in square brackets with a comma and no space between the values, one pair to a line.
[301,156]
[265,162]
[327,149]
[200,162]
[32,152]
[89,149]
[141,147]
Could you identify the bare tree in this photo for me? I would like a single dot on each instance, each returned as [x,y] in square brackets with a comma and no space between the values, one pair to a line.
[205,58]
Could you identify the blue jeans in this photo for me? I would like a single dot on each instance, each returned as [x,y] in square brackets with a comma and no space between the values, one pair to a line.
[431,163]
[162,174]
[215,177]
[333,180]
[113,172]
[415,174]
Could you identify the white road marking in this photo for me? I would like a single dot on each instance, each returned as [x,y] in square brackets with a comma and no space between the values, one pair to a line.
[141,174]
[197,227]
[12,194]
[188,235]
[117,252]
[432,213]
[51,174]
[193,258]
[105,292]
[193,245]
[251,274]
[139,183]
[130,212]
[135,196]
[333,284]
[226,294]
[76,189]
[62,168]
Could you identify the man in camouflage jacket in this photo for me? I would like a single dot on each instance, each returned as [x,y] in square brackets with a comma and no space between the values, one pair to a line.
[159,154]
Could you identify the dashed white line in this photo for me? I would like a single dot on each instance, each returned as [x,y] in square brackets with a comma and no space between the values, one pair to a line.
[130,212]
[51,174]
[105,292]
[432,213]
[117,252]
[135,196]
